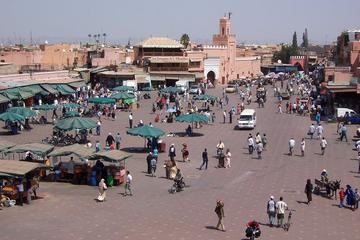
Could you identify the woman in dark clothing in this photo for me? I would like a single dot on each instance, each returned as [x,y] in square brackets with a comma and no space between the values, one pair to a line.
[308,191]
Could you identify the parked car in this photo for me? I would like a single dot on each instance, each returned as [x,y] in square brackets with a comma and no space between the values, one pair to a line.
[285,95]
[194,89]
[352,118]
[231,88]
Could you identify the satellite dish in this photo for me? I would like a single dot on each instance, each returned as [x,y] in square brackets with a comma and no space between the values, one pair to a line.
[46,42]
[102,45]
[279,61]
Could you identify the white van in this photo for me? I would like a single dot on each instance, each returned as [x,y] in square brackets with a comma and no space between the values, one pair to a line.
[340,112]
[247,119]
[183,85]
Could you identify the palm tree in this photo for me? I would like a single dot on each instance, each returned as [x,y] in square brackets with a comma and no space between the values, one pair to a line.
[104,35]
[89,35]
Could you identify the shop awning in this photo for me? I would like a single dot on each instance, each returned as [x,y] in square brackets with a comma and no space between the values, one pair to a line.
[110,156]
[18,168]
[4,99]
[76,149]
[17,94]
[36,148]
[64,89]
[77,84]
[49,88]
[5,145]
[35,89]
[157,78]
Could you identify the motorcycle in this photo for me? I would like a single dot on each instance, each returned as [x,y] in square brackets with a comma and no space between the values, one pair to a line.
[252,233]
[178,186]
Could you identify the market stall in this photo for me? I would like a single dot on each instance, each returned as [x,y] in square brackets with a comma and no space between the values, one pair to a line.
[77,171]
[14,172]
[110,165]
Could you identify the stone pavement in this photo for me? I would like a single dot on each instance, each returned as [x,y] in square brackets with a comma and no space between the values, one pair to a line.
[69,211]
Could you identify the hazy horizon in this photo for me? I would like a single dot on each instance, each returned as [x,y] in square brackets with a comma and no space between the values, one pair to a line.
[256,21]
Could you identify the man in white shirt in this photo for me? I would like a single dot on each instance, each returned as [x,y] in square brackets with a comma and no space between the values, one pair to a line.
[128,184]
[281,206]
[312,131]
[320,131]
[271,211]
[323,145]
[251,144]
[291,146]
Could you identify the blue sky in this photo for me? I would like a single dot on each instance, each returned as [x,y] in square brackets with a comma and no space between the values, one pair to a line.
[253,21]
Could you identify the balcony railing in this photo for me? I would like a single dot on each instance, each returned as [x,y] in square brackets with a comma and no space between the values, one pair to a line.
[168,69]
[161,54]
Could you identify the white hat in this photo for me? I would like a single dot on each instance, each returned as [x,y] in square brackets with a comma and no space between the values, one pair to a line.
[272,197]
[324,170]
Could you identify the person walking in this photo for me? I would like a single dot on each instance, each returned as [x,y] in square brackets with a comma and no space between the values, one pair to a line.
[224,116]
[357,198]
[102,191]
[227,159]
[264,141]
[358,151]
[308,191]
[291,146]
[343,133]
[230,116]
[323,145]
[280,108]
[98,127]
[250,144]
[213,117]
[205,159]
[185,153]
[172,152]
[271,211]
[118,141]
[341,197]
[281,206]
[219,210]
[128,184]
[350,197]
[302,147]
[110,139]
[153,163]
[131,120]
[259,149]
[311,131]
[317,118]
[320,131]
[149,157]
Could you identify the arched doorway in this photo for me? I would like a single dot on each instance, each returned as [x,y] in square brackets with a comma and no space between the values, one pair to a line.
[211,77]
[299,67]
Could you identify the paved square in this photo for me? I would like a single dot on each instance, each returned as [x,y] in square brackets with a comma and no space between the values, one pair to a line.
[70,212]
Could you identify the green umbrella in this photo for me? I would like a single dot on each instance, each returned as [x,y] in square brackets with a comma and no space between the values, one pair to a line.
[101,100]
[72,114]
[171,90]
[204,97]
[129,100]
[44,107]
[194,117]
[123,88]
[146,131]
[122,95]
[71,105]
[10,116]
[25,112]
[68,124]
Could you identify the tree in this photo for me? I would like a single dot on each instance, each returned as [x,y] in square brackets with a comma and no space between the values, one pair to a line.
[285,53]
[305,43]
[294,41]
[104,36]
[185,40]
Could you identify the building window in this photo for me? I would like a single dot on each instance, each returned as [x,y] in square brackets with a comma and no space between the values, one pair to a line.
[237,76]
[222,31]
